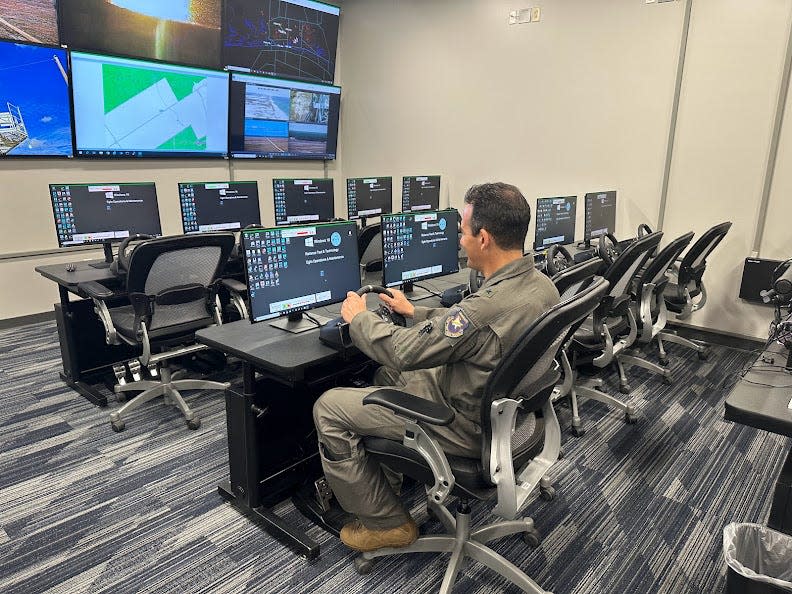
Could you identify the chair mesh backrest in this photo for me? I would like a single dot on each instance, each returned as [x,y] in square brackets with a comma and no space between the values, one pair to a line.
[169,262]
[696,256]
[655,271]
[623,270]
[370,243]
[532,356]
[569,280]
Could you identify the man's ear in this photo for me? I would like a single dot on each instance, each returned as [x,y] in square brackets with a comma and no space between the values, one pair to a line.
[485,239]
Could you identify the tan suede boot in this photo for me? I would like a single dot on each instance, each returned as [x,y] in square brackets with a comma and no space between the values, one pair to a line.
[356,536]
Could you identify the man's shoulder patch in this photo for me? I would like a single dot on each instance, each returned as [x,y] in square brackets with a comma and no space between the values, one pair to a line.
[456,323]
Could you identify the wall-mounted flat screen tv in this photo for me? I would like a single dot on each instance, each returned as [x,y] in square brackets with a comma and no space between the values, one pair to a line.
[35,116]
[180,31]
[274,118]
[134,108]
[29,20]
[291,38]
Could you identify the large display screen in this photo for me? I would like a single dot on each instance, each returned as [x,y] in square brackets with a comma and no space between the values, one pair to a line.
[369,196]
[420,192]
[29,20]
[419,245]
[218,206]
[555,221]
[133,108]
[300,201]
[292,38]
[35,116]
[100,213]
[292,269]
[600,215]
[181,31]
[273,118]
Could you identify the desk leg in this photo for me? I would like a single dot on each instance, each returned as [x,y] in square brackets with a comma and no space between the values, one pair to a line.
[781,511]
[243,488]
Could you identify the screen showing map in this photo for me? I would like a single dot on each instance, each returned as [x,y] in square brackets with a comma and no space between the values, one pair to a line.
[182,31]
[273,118]
[132,108]
[35,119]
[292,38]
[29,20]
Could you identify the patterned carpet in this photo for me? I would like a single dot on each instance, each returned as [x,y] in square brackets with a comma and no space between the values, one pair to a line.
[640,508]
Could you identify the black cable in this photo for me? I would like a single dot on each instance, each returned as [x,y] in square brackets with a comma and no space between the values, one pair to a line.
[313,319]
[428,290]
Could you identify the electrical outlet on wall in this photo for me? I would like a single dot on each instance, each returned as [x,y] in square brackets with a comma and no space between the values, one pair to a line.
[536,14]
[520,17]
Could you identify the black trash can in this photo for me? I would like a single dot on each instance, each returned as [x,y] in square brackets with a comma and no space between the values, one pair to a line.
[759,560]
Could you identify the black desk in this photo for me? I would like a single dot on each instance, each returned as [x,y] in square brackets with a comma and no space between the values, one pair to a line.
[269,416]
[87,358]
[766,408]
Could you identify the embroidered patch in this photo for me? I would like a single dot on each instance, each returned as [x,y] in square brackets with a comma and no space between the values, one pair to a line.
[456,323]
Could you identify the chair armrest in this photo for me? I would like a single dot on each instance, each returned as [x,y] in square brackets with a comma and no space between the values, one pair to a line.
[411,406]
[94,290]
[233,285]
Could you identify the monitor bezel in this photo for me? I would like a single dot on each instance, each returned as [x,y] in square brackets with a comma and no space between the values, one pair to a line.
[589,197]
[151,155]
[357,216]
[181,207]
[70,99]
[430,276]
[304,223]
[301,309]
[103,241]
[543,248]
[245,155]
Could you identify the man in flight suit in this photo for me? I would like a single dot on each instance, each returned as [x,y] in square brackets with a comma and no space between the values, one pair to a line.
[445,356]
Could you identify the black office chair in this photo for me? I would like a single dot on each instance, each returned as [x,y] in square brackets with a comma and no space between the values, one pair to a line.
[171,292]
[610,330]
[686,285]
[649,306]
[517,388]
[568,282]
[370,247]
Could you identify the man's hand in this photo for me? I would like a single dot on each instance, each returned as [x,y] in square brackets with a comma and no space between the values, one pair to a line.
[352,306]
[399,303]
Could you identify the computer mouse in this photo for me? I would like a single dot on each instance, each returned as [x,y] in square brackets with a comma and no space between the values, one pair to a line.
[70,267]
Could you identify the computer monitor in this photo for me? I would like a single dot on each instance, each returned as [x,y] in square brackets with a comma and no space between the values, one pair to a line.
[294,38]
[294,269]
[181,31]
[218,206]
[369,196]
[299,201]
[273,118]
[125,108]
[35,106]
[104,213]
[420,192]
[418,246]
[600,215]
[555,221]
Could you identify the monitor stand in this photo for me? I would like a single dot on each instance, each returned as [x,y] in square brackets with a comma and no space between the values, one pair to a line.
[584,245]
[296,323]
[414,294]
[108,254]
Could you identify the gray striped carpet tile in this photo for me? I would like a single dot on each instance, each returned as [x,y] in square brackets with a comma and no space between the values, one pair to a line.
[639,508]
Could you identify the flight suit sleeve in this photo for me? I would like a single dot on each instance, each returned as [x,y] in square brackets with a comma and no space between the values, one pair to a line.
[424,313]
[455,336]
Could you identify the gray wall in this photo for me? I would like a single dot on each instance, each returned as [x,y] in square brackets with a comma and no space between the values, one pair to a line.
[581,101]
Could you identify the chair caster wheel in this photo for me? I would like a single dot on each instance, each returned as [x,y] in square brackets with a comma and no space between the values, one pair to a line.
[667,380]
[578,431]
[547,494]
[625,388]
[703,355]
[194,423]
[532,538]
[664,361]
[118,426]
[120,397]
[561,453]
[630,419]
[363,566]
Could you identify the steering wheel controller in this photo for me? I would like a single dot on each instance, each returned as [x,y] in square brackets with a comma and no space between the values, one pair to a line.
[558,258]
[383,311]
[608,248]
